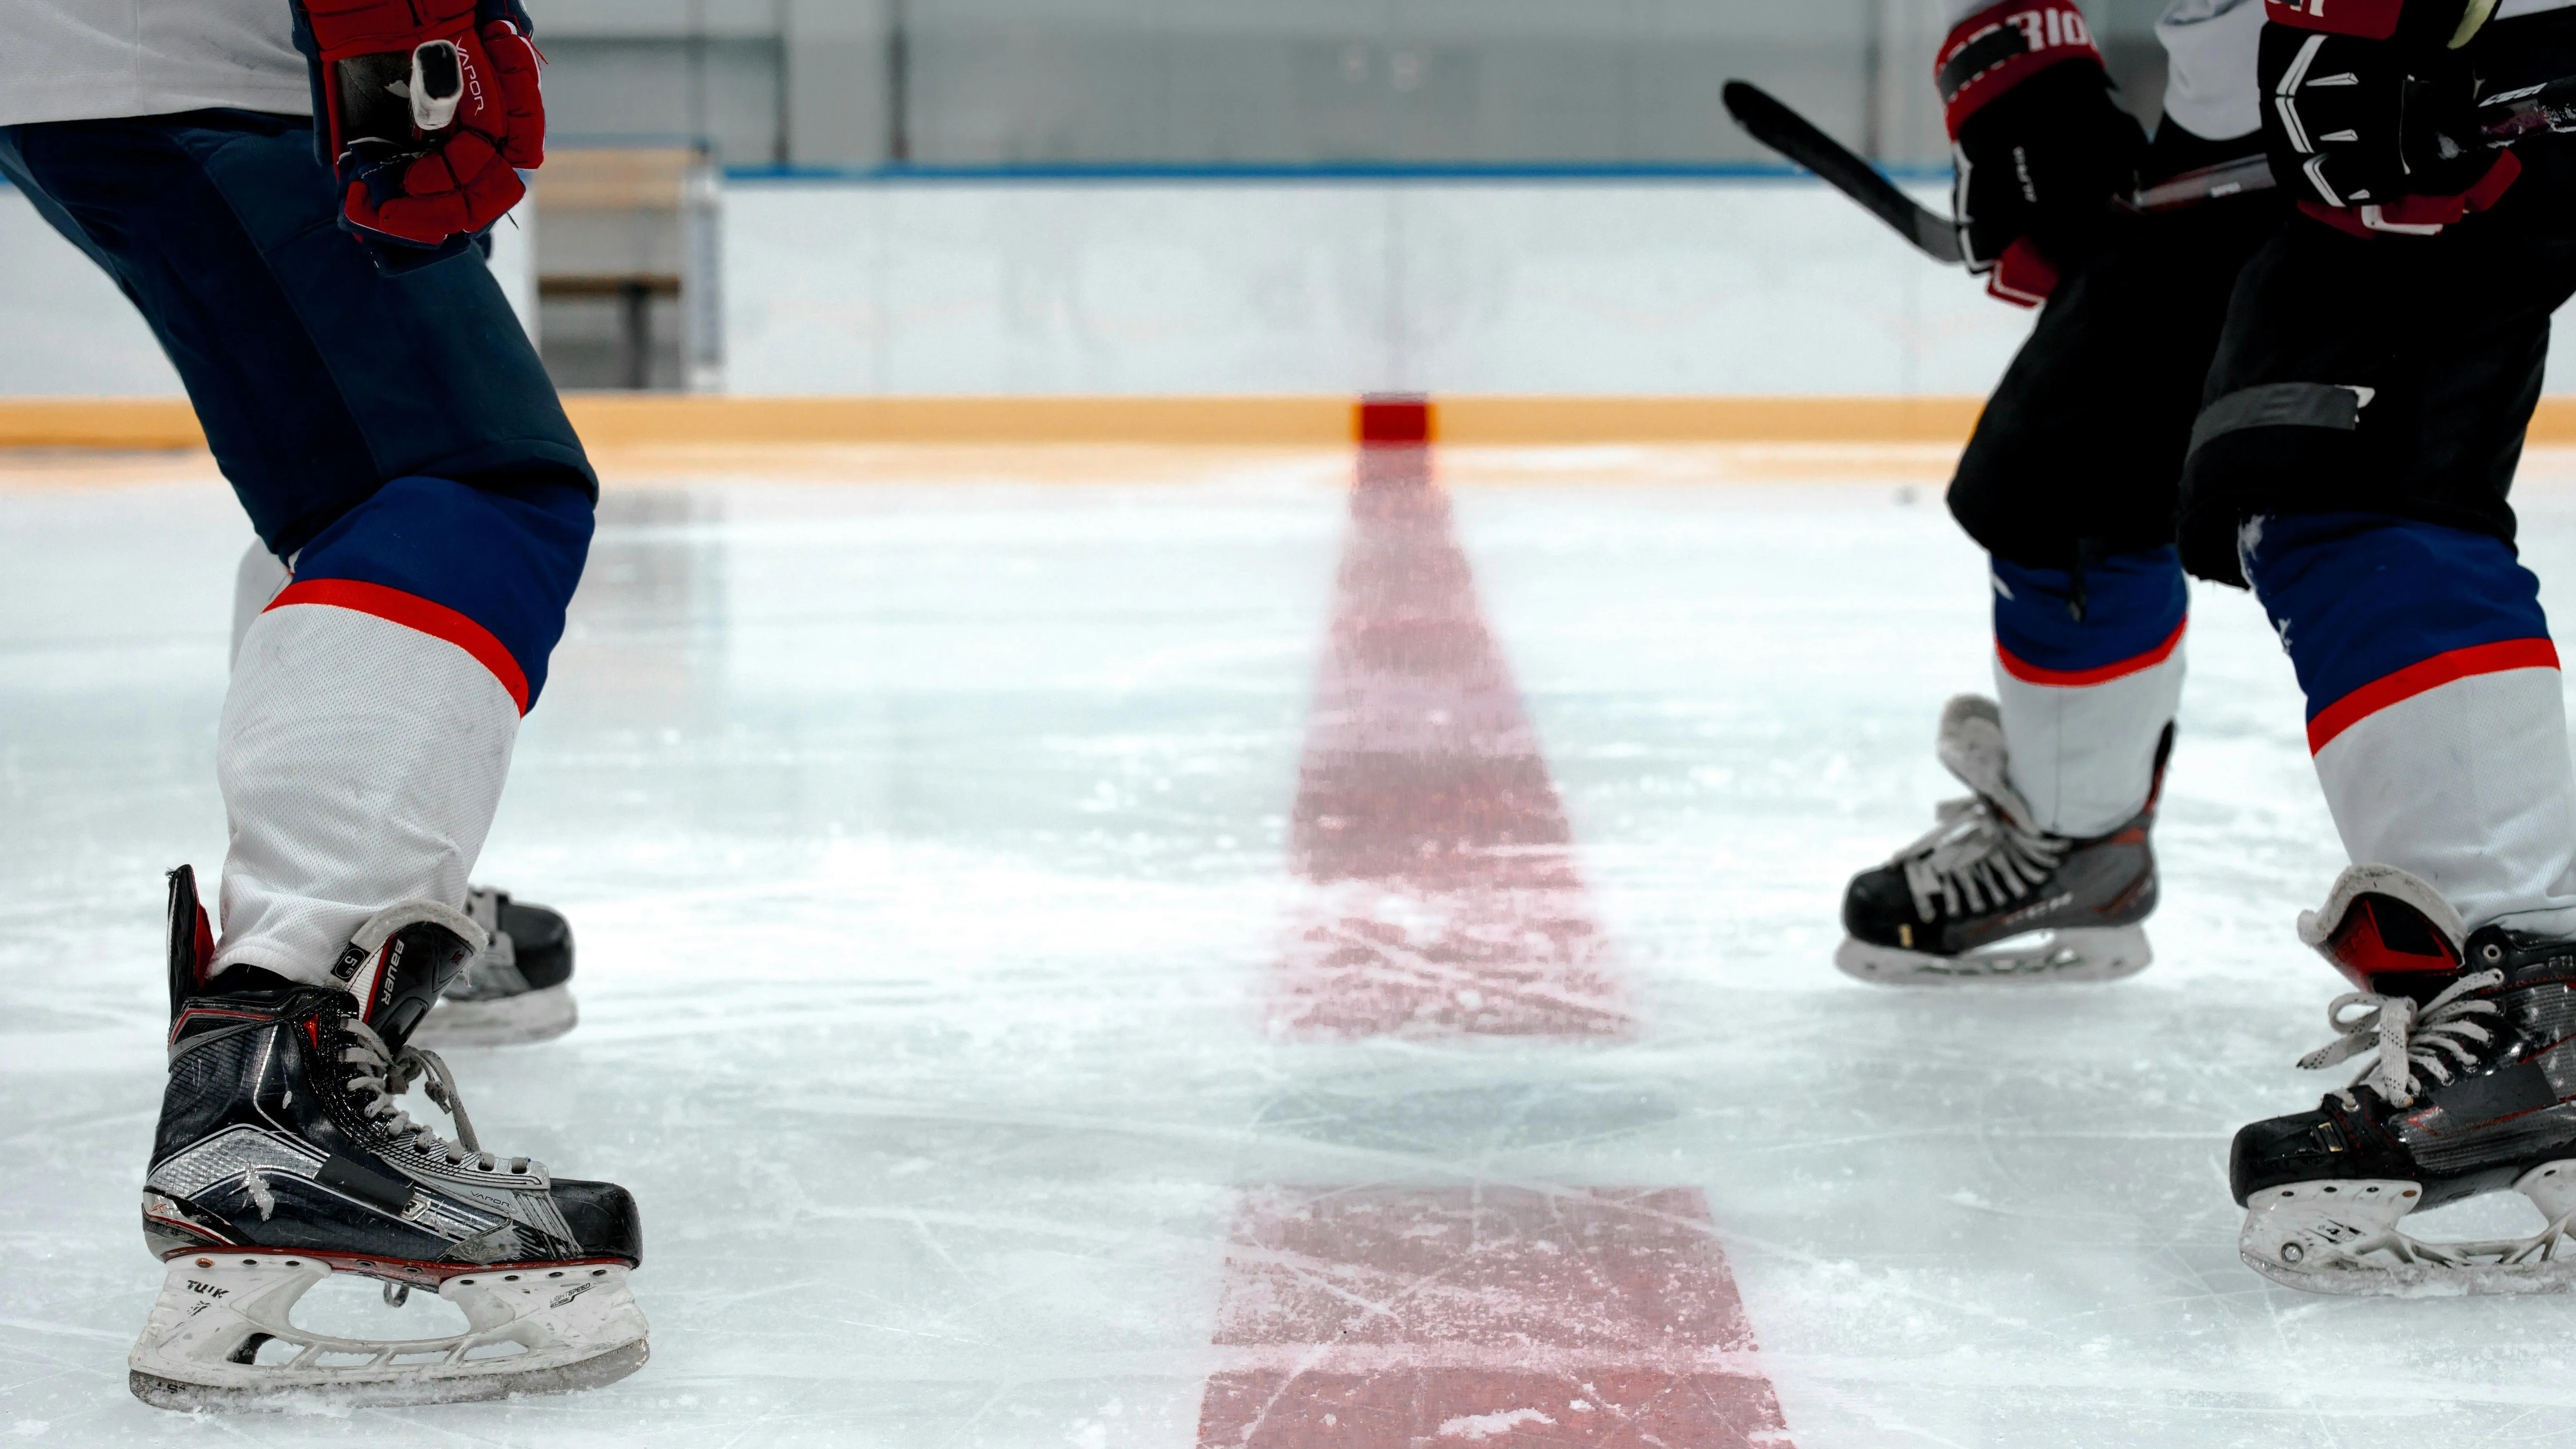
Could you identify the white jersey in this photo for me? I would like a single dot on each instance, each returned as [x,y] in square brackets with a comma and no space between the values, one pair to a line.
[2209,49]
[71,60]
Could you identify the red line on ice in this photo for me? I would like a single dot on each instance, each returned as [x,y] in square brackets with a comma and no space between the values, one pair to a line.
[1441,895]
[1485,1317]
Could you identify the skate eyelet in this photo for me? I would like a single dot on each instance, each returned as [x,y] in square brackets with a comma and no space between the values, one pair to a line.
[2292,1252]
[555,1274]
[509,1277]
[205,1262]
[2410,1192]
[2330,1189]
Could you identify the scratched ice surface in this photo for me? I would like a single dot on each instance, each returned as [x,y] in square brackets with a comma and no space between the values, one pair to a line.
[934,850]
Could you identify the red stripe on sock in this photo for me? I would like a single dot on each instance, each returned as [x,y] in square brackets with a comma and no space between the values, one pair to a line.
[2426,674]
[2029,673]
[415,613]
[1441,891]
[1384,1318]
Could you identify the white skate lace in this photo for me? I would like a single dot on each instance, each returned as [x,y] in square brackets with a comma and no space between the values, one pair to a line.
[1976,859]
[2409,1039]
[384,1075]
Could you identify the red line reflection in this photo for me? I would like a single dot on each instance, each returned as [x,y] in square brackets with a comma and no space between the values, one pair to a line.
[1442,895]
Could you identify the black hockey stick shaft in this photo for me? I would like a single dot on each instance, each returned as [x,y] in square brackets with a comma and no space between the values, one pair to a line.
[2504,119]
[1772,123]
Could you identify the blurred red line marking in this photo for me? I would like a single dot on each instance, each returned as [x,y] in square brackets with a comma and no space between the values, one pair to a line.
[1395,420]
[1386,1318]
[1442,896]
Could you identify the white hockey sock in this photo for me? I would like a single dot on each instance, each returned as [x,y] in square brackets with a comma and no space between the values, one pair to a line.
[256,580]
[374,703]
[2435,709]
[361,762]
[2086,692]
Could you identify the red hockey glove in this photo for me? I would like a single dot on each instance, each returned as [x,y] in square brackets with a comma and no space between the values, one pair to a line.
[2040,148]
[2370,113]
[433,109]
[2036,140]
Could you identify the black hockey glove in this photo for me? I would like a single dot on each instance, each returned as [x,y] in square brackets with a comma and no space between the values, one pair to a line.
[2370,113]
[2040,148]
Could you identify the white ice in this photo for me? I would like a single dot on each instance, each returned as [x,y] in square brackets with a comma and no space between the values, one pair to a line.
[924,838]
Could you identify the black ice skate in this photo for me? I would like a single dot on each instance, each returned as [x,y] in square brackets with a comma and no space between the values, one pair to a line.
[2473,1091]
[519,989]
[282,1158]
[1986,896]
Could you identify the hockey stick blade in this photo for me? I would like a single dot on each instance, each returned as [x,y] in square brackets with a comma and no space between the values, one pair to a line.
[1773,124]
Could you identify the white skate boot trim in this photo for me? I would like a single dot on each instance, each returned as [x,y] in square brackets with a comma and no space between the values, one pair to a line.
[531,1329]
[2317,927]
[526,1016]
[380,927]
[2343,1238]
[2075,953]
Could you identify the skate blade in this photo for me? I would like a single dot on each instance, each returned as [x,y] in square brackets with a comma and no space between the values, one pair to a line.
[590,1373]
[530,1016]
[2422,1280]
[2342,1238]
[2089,953]
[530,1330]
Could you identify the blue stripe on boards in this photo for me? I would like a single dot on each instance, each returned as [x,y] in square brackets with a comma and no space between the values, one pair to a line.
[506,560]
[2356,597]
[2132,604]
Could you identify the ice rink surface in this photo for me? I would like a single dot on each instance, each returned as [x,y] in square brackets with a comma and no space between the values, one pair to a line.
[1150,949]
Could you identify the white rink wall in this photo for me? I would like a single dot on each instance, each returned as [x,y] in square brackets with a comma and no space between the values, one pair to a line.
[925,287]
[1607,287]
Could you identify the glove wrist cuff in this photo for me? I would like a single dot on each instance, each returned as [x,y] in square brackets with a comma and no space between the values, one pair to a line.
[2431,23]
[1998,48]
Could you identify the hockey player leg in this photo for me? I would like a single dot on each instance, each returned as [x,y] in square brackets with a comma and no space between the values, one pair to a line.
[2044,872]
[2435,715]
[364,741]
[519,987]
[397,439]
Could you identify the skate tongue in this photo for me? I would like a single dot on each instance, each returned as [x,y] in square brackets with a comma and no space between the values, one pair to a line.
[401,959]
[1971,746]
[192,940]
[2388,933]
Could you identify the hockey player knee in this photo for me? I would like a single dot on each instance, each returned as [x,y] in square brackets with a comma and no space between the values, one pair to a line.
[2375,610]
[2111,617]
[489,565]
